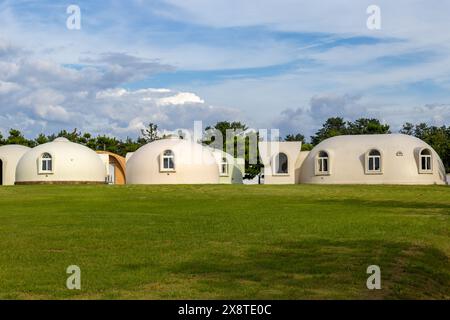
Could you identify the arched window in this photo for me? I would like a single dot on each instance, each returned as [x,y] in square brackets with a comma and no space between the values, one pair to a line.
[322,163]
[425,161]
[373,162]
[46,163]
[168,161]
[224,167]
[281,164]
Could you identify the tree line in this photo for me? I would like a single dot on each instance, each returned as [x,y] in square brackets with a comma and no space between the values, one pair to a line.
[436,137]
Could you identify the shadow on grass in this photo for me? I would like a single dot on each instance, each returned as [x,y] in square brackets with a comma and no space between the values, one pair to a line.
[321,269]
[391,204]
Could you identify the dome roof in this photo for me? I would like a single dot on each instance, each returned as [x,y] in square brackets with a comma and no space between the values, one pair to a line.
[193,163]
[9,157]
[11,150]
[347,156]
[61,139]
[71,163]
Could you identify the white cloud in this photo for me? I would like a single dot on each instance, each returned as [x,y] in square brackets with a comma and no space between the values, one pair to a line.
[309,119]
[8,87]
[40,95]
[181,98]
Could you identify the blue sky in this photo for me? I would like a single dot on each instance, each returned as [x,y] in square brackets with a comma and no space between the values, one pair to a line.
[285,64]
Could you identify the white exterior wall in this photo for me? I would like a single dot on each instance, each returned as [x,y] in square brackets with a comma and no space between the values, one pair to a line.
[268,151]
[194,164]
[347,161]
[10,156]
[236,167]
[128,156]
[105,160]
[71,163]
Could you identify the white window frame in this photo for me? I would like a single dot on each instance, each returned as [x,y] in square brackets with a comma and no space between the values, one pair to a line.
[275,165]
[428,156]
[369,157]
[164,157]
[224,165]
[320,159]
[41,161]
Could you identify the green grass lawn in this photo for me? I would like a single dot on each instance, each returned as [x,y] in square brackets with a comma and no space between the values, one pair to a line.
[225,242]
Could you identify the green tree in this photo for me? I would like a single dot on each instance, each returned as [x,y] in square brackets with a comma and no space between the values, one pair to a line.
[150,133]
[332,127]
[129,145]
[239,139]
[408,128]
[367,126]
[16,137]
[437,137]
[41,139]
[296,137]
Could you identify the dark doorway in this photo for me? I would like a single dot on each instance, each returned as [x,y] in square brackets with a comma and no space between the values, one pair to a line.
[1,172]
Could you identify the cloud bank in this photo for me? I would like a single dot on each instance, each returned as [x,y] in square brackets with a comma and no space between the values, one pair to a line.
[42,96]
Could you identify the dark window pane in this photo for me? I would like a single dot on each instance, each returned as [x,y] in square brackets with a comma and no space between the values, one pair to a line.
[282,163]
[371,164]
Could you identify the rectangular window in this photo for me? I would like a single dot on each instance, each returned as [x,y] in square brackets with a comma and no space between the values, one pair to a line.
[425,163]
[374,164]
[322,165]
[46,165]
[224,169]
[168,163]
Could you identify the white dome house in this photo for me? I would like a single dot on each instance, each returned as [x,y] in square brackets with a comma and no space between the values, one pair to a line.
[9,157]
[60,162]
[172,161]
[373,159]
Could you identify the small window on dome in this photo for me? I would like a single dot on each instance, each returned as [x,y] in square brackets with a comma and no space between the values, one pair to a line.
[322,164]
[374,162]
[425,161]
[224,167]
[168,161]
[46,163]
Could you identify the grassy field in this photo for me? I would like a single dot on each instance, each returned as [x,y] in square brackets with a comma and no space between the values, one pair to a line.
[231,242]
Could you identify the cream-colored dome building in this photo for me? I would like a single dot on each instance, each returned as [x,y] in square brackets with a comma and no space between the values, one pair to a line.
[172,161]
[9,157]
[354,159]
[60,161]
[231,170]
